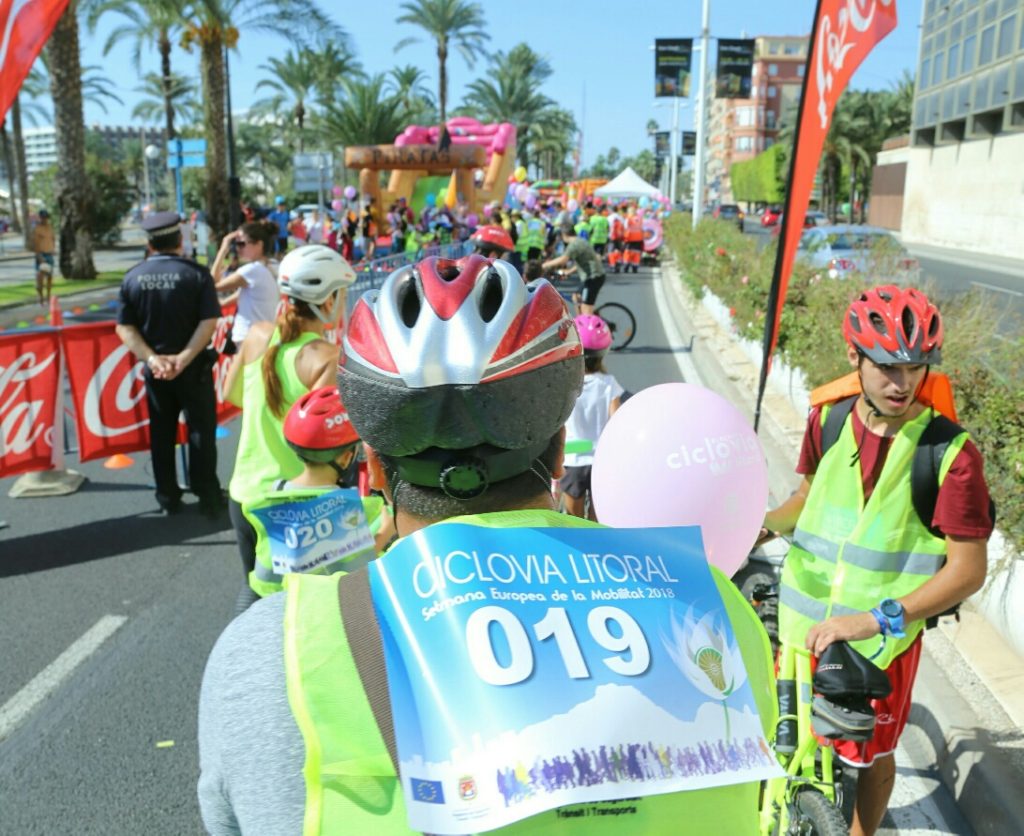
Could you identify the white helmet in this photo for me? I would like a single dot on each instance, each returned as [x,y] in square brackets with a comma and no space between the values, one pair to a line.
[313,274]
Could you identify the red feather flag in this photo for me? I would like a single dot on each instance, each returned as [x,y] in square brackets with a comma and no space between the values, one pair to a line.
[25,26]
[844,32]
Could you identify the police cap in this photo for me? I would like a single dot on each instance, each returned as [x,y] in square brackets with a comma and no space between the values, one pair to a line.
[161,223]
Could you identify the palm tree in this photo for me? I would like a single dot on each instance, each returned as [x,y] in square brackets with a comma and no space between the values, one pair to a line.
[447,22]
[844,145]
[551,140]
[509,94]
[293,80]
[156,95]
[74,194]
[407,85]
[35,88]
[365,115]
[214,26]
[335,61]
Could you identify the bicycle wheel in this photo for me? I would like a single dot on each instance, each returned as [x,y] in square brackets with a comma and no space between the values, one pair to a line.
[621,323]
[816,815]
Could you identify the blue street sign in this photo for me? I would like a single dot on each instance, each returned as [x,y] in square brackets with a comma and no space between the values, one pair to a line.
[186,153]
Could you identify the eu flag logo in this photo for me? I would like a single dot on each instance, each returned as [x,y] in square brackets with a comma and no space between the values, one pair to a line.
[427,791]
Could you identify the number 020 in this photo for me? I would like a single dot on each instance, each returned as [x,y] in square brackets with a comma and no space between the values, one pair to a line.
[555,624]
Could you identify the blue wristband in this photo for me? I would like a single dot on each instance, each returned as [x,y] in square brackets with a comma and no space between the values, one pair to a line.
[883,622]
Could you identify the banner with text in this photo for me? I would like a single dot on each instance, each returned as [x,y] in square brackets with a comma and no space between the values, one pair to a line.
[29,377]
[735,68]
[662,144]
[672,66]
[642,692]
[842,35]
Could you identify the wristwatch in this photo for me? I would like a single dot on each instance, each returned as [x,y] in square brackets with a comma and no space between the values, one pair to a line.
[889,615]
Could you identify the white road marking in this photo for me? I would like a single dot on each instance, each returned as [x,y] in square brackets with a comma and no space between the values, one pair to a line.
[997,288]
[50,678]
[675,339]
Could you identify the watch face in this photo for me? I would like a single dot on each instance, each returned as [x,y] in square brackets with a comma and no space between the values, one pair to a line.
[891,608]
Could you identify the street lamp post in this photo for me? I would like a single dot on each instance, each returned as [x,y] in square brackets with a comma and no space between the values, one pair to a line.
[702,109]
[145,165]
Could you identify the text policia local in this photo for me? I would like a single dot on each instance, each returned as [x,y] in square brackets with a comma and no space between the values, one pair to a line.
[436,575]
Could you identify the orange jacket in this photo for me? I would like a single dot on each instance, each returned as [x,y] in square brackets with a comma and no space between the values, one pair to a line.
[634,228]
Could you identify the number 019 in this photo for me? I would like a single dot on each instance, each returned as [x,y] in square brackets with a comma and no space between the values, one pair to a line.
[627,637]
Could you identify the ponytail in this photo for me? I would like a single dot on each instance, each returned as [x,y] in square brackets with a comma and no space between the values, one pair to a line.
[290,327]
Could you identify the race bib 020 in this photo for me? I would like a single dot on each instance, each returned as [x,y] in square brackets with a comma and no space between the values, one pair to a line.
[312,532]
[535,668]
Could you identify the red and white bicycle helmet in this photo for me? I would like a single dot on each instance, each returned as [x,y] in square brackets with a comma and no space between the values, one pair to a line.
[317,426]
[492,240]
[594,334]
[895,326]
[460,356]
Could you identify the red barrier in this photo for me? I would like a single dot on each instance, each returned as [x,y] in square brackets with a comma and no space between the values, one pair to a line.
[29,377]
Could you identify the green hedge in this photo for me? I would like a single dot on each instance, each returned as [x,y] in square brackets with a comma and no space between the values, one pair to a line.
[756,180]
[987,371]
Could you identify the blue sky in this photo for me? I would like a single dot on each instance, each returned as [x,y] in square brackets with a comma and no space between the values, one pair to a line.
[599,50]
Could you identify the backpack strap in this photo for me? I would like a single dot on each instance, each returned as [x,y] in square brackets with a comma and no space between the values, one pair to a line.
[834,421]
[363,633]
[927,463]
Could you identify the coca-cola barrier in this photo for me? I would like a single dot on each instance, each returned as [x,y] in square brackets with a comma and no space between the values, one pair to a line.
[108,394]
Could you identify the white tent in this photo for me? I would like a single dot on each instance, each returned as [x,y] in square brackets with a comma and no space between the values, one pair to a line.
[627,184]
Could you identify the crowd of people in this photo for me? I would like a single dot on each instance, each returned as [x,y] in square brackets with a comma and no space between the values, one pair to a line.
[430,428]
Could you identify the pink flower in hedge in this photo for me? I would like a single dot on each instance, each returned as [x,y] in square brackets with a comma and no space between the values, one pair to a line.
[720,251]
[732,312]
[745,280]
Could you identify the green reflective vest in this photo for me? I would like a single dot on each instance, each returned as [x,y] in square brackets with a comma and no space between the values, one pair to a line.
[847,556]
[536,236]
[263,455]
[599,229]
[522,241]
[263,580]
[351,785]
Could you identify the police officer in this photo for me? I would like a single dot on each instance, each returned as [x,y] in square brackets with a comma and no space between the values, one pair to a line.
[167,316]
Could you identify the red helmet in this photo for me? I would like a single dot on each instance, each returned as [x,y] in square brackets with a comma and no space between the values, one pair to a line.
[594,334]
[490,240]
[895,326]
[460,356]
[317,427]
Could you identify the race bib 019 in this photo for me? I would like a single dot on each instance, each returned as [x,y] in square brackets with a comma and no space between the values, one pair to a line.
[530,669]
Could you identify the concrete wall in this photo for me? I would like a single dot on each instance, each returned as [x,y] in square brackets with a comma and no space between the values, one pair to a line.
[968,195]
[885,207]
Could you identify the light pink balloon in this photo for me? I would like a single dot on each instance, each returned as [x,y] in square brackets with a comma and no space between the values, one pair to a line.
[680,454]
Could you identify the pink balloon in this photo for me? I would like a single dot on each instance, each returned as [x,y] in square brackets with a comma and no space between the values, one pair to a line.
[522,190]
[336,205]
[680,454]
[336,191]
[350,192]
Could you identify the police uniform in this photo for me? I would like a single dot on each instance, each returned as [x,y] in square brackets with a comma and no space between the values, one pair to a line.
[165,298]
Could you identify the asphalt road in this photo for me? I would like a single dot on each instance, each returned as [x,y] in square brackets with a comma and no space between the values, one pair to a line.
[109,612]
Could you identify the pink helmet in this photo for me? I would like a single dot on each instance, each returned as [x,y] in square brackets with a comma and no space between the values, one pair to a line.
[594,334]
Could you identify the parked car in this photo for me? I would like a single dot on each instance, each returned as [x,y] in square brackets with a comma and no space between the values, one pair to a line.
[844,249]
[815,218]
[770,216]
[729,212]
[304,210]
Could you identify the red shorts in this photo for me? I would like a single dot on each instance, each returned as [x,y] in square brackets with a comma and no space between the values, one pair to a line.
[892,713]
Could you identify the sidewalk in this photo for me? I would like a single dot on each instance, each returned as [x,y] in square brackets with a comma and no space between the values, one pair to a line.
[1010,266]
[969,696]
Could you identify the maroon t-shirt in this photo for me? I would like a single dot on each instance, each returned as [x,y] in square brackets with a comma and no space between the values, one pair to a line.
[962,506]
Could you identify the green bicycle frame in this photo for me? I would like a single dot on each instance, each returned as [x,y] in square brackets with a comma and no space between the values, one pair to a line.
[800,767]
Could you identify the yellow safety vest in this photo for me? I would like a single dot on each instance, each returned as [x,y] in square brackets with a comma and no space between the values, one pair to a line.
[351,785]
[847,556]
[263,580]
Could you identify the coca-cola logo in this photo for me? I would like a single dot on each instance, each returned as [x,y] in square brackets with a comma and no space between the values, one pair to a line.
[220,335]
[114,393]
[20,424]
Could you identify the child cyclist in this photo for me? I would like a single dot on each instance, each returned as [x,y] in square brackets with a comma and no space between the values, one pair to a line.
[596,404]
[299,528]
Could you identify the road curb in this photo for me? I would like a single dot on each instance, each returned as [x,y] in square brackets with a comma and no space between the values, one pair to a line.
[981,777]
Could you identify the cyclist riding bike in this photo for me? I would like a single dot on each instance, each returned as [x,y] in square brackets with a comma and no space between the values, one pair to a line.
[290,738]
[492,242]
[585,262]
[863,567]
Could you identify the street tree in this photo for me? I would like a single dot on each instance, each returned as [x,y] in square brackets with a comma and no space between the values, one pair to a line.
[367,114]
[408,85]
[448,23]
[73,191]
[154,98]
[214,26]
[293,80]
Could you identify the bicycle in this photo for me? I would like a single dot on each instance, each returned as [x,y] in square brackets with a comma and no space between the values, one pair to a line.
[808,799]
[620,319]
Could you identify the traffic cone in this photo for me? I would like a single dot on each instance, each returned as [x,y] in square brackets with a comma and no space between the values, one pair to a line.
[119,461]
